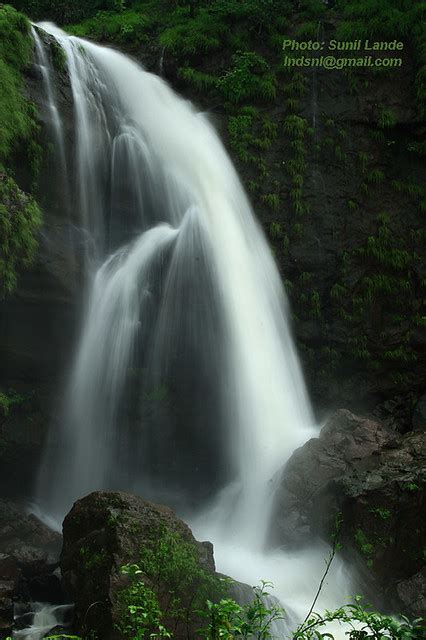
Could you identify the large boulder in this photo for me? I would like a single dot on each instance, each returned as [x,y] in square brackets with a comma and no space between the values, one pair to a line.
[105,531]
[375,477]
[347,444]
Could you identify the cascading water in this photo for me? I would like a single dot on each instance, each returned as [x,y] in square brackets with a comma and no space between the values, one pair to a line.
[185,386]
[42,617]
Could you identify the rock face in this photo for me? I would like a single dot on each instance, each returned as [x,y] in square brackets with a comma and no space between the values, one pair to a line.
[29,552]
[419,414]
[103,532]
[30,542]
[376,478]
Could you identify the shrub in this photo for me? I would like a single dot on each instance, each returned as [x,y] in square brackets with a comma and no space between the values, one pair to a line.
[20,219]
[168,585]
[129,26]
[248,78]
[190,36]
[16,114]
[65,11]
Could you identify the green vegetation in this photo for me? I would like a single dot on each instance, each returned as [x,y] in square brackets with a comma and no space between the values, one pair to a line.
[382,513]
[93,561]
[168,572]
[65,11]
[249,78]
[168,585]
[8,400]
[227,54]
[364,545]
[20,216]
[111,26]
[386,289]
[388,19]
[20,219]
[16,113]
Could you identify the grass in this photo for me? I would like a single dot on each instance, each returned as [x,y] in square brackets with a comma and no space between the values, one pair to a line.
[17,121]
[20,219]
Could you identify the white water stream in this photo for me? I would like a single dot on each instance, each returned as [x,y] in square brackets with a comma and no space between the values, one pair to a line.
[184,304]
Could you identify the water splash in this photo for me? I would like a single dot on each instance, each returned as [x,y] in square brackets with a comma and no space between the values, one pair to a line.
[41,619]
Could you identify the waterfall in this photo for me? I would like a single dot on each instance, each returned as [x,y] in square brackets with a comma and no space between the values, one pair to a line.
[42,617]
[186,385]
[46,71]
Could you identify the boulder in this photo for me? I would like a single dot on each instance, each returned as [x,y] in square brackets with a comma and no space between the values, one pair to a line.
[34,547]
[375,477]
[347,443]
[105,531]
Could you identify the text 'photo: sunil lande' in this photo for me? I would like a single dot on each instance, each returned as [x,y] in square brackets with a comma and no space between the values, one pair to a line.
[341,45]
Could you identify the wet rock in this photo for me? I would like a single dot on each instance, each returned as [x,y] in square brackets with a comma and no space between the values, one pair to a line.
[103,532]
[376,478]
[412,592]
[419,414]
[7,591]
[58,633]
[347,443]
[34,547]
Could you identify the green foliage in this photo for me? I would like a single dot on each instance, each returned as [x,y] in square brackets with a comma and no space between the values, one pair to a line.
[108,26]
[389,19]
[366,547]
[362,623]
[248,78]
[315,304]
[295,126]
[192,35]
[65,11]
[8,400]
[228,620]
[169,571]
[381,512]
[272,200]
[375,176]
[248,133]
[158,394]
[93,560]
[202,82]
[275,230]
[141,614]
[16,114]
[386,118]
[412,486]
[20,219]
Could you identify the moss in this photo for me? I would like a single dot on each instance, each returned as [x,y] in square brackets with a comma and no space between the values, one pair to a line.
[20,219]
[16,114]
[59,57]
[94,560]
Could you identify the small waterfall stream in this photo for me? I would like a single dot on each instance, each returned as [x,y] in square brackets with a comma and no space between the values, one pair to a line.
[186,385]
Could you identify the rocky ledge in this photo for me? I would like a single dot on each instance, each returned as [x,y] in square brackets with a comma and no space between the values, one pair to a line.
[375,477]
